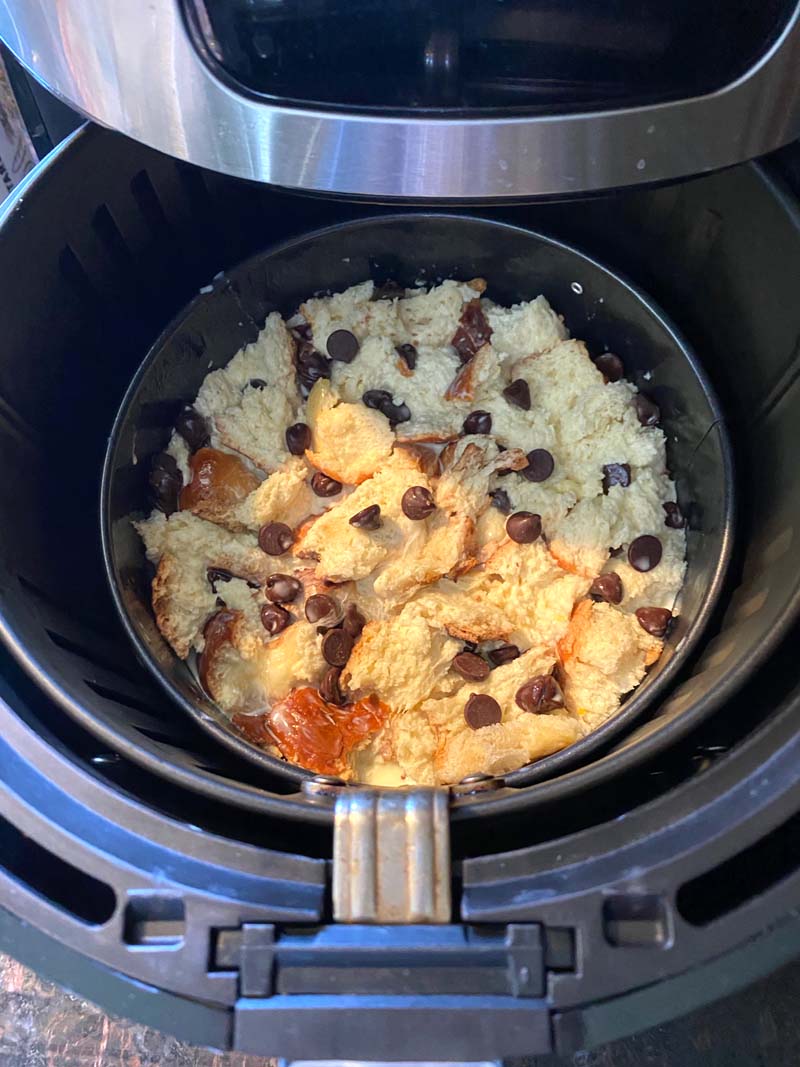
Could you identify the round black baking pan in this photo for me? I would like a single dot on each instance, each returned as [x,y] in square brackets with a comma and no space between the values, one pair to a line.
[600,307]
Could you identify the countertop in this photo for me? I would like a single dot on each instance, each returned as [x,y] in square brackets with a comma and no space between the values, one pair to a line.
[43,1026]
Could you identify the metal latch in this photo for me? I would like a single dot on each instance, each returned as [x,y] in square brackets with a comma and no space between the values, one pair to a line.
[391,850]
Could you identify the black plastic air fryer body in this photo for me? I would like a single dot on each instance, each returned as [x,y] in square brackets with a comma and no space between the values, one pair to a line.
[158,874]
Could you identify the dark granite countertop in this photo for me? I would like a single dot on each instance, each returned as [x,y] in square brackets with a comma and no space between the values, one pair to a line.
[42,1026]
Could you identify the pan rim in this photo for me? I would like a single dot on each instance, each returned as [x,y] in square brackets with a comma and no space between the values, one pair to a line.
[559,766]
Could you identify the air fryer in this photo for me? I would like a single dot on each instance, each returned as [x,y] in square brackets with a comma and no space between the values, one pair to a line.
[158,872]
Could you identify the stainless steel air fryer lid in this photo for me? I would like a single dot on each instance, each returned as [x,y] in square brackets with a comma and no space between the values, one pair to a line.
[599,307]
[390,98]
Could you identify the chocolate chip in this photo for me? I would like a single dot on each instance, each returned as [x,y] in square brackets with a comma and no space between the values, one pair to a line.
[504,654]
[540,694]
[655,621]
[470,666]
[193,428]
[647,411]
[390,290]
[607,587]
[217,574]
[644,553]
[501,501]
[323,485]
[274,619]
[165,481]
[478,422]
[342,346]
[275,538]
[282,588]
[473,331]
[481,710]
[323,609]
[336,647]
[674,519]
[616,474]
[524,527]
[311,365]
[382,401]
[540,466]
[354,621]
[610,366]
[257,383]
[368,519]
[298,438]
[408,354]
[417,502]
[518,394]
[329,688]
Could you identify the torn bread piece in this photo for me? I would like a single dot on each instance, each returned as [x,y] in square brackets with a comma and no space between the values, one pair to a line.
[354,310]
[604,655]
[349,441]
[431,317]
[525,329]
[254,399]
[184,548]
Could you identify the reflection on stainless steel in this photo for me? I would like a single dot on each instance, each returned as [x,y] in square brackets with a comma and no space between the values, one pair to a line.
[134,68]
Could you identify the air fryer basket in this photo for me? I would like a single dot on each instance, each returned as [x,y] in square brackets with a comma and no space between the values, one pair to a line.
[136,241]
[599,307]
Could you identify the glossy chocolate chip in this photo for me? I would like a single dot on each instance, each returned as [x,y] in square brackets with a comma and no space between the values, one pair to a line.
[274,619]
[656,621]
[607,587]
[408,354]
[298,438]
[342,346]
[311,365]
[382,401]
[482,710]
[504,654]
[282,588]
[323,485]
[644,553]
[674,516]
[275,538]
[330,690]
[501,501]
[321,608]
[473,331]
[354,621]
[470,666]
[616,474]
[217,574]
[518,394]
[477,422]
[193,428]
[540,465]
[610,366]
[539,695]
[390,290]
[257,383]
[368,518]
[336,647]
[524,527]
[165,481]
[647,411]
[417,502]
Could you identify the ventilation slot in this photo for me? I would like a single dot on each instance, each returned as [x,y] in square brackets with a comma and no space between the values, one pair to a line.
[146,197]
[50,877]
[91,655]
[63,611]
[110,235]
[742,877]
[75,276]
